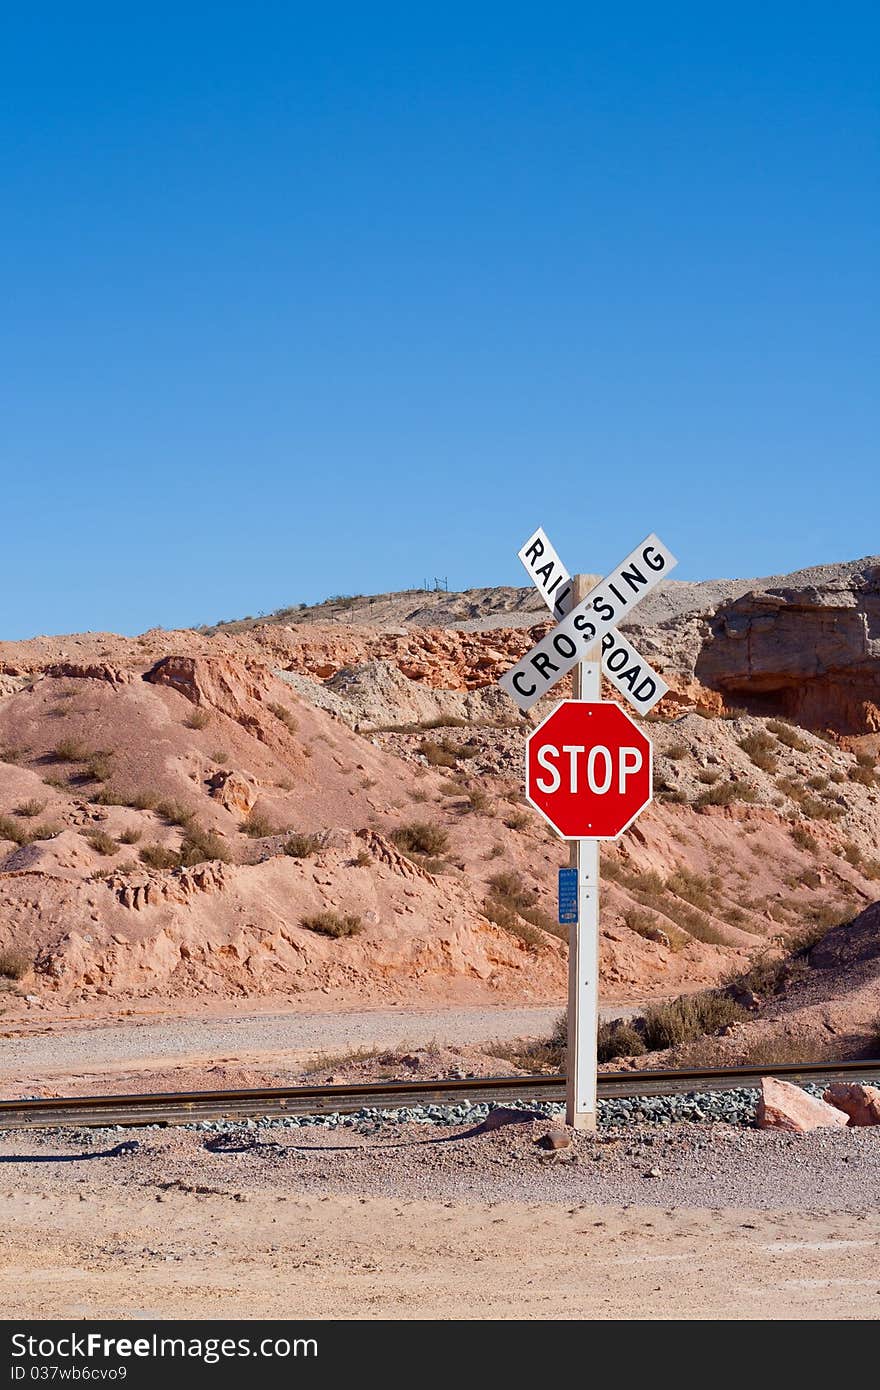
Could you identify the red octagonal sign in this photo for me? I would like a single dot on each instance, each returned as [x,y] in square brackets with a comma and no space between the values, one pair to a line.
[588,770]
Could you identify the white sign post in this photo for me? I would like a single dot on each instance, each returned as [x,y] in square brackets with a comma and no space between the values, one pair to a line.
[586,639]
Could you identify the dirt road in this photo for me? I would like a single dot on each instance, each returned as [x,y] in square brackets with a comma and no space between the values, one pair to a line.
[276,1044]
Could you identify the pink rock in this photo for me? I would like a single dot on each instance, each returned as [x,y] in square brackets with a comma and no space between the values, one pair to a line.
[860,1103]
[783,1106]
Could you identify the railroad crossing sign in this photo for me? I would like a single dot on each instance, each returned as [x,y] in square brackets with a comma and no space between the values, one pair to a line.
[587,623]
[588,766]
[624,668]
[588,770]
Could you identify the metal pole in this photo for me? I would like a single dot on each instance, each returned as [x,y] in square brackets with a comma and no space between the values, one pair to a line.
[583,937]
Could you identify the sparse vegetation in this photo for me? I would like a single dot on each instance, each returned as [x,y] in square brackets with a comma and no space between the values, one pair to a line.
[677,751]
[537,1056]
[618,1038]
[788,735]
[199,846]
[288,719]
[301,846]
[159,857]
[726,793]
[12,830]
[363,859]
[131,836]
[197,719]
[440,754]
[478,800]
[420,837]
[174,812]
[30,808]
[97,766]
[257,825]
[759,747]
[70,750]
[864,775]
[333,924]
[689,1017]
[14,965]
[101,842]
[517,820]
[220,758]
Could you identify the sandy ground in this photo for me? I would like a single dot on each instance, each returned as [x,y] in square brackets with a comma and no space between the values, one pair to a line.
[99,1058]
[445,1227]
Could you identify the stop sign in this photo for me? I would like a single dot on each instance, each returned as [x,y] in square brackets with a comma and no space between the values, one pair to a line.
[588,770]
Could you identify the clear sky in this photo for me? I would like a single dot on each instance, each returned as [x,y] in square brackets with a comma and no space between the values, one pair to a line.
[301,299]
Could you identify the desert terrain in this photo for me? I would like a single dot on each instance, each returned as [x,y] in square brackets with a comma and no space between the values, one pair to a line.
[321,810]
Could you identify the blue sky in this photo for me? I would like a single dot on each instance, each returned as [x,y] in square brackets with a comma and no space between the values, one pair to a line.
[309,299]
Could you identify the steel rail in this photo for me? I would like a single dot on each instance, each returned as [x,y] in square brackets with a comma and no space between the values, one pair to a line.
[188,1107]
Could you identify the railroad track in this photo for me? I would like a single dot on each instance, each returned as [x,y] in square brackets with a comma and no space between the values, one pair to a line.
[187,1107]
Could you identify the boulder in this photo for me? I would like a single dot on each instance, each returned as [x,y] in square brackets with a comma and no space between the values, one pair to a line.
[787,1107]
[233,791]
[861,1103]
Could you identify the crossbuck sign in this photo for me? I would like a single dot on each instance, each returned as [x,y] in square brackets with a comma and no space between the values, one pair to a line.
[589,621]
[588,766]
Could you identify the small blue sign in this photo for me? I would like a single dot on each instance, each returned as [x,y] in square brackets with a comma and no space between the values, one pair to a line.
[568,896]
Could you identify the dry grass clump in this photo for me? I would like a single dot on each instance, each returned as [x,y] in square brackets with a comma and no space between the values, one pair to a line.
[516,820]
[865,775]
[30,808]
[23,835]
[14,965]
[759,747]
[70,750]
[288,719]
[618,1038]
[442,754]
[197,719]
[257,825]
[333,924]
[511,903]
[510,920]
[477,800]
[644,924]
[131,836]
[803,839]
[788,735]
[689,1017]
[174,812]
[159,857]
[301,846]
[709,776]
[101,842]
[540,1056]
[726,793]
[677,751]
[98,767]
[421,837]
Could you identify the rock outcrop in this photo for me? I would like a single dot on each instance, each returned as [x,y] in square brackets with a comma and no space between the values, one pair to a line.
[810,654]
[860,1103]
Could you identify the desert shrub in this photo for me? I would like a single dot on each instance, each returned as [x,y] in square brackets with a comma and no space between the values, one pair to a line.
[803,839]
[220,758]
[865,775]
[130,836]
[302,846]
[333,924]
[708,776]
[688,1017]
[677,751]
[852,854]
[47,831]
[478,800]
[97,766]
[174,812]
[643,923]
[420,837]
[692,887]
[516,820]
[197,719]
[619,1039]
[198,846]
[142,801]
[30,808]
[535,1055]
[287,719]
[818,783]
[507,917]
[866,759]
[814,809]
[672,795]
[109,796]
[788,735]
[362,859]
[757,743]
[12,830]
[726,793]
[438,754]
[70,750]
[508,883]
[101,842]
[159,857]
[14,965]
[257,825]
